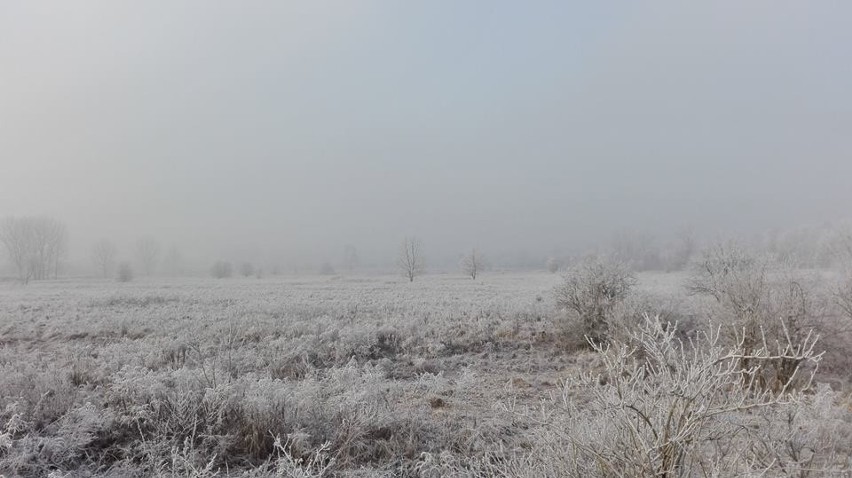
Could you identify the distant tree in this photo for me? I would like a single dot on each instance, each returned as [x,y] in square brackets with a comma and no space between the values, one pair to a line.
[350,258]
[173,262]
[246,269]
[222,270]
[553,265]
[326,269]
[125,272]
[683,250]
[103,256]
[636,250]
[410,261]
[472,263]
[148,253]
[35,245]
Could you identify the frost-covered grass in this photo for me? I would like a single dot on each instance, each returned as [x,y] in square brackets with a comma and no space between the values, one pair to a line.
[170,376]
[285,376]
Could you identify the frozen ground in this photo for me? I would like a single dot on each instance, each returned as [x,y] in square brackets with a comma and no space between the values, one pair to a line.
[198,377]
[111,377]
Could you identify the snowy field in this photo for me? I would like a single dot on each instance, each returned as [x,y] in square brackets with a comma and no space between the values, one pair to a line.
[119,377]
[282,376]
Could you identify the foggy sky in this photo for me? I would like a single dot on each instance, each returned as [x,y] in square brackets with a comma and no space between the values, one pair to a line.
[295,128]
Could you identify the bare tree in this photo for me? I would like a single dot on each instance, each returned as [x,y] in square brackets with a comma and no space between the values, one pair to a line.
[350,258]
[173,262]
[326,269]
[103,256]
[35,245]
[148,252]
[637,250]
[472,263]
[222,270]
[683,249]
[247,269]
[553,265]
[410,261]
[125,272]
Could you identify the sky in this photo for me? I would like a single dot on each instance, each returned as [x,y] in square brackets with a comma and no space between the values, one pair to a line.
[290,129]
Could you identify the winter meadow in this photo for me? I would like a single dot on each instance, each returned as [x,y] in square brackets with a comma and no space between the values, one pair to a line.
[380,239]
[733,362]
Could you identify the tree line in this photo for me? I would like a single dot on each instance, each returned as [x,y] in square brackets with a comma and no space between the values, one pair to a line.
[35,246]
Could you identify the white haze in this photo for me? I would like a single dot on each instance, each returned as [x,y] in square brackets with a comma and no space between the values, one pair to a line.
[289,129]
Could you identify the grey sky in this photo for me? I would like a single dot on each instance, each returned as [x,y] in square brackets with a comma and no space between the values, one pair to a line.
[297,127]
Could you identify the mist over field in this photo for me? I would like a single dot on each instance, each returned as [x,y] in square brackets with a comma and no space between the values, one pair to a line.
[375,239]
[284,131]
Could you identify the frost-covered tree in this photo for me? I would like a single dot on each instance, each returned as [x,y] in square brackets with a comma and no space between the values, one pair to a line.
[148,253]
[637,250]
[553,265]
[222,270]
[350,258]
[247,269]
[125,272]
[410,260]
[103,256]
[472,263]
[173,262]
[35,245]
[682,250]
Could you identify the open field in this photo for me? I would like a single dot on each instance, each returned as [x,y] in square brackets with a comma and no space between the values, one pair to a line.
[313,376]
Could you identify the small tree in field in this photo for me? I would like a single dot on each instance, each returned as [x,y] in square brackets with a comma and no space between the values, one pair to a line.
[247,269]
[410,261]
[103,256]
[553,265]
[173,262]
[350,258]
[125,272]
[148,252]
[222,270]
[591,291]
[472,263]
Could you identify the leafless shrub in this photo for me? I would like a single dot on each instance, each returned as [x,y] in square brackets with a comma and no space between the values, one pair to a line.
[671,309]
[591,291]
[663,414]
[289,465]
[843,298]
[753,296]
[662,407]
